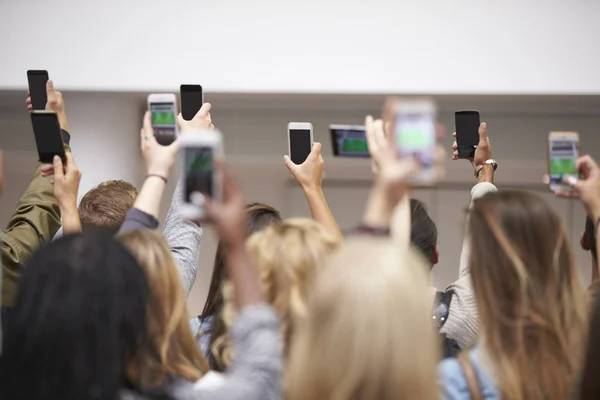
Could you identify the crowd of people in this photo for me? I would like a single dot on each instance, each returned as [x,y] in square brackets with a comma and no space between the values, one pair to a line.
[295,309]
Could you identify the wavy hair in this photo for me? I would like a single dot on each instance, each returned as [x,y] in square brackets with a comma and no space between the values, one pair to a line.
[289,257]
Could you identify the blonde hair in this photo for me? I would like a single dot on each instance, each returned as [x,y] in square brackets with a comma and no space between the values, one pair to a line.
[531,305]
[170,348]
[288,256]
[367,334]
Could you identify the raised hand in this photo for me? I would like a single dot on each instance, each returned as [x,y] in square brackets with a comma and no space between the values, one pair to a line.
[483,152]
[55,103]
[158,159]
[66,180]
[201,121]
[309,174]
[587,187]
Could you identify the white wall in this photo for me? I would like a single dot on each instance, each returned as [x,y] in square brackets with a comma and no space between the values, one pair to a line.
[326,46]
[105,130]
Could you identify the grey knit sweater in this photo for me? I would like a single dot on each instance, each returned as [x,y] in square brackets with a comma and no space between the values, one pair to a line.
[462,324]
[256,372]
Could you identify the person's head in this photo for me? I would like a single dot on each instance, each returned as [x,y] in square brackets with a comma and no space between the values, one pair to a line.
[367,333]
[78,318]
[588,239]
[289,257]
[530,301]
[259,216]
[423,231]
[104,207]
[170,348]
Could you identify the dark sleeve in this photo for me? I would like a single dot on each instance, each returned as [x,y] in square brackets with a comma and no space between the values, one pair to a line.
[66,137]
[137,219]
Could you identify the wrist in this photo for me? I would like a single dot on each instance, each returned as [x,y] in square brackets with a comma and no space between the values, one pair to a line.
[68,207]
[486,174]
[379,210]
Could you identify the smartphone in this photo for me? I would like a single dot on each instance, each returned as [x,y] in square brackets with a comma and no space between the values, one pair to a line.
[467,132]
[300,141]
[163,111]
[48,137]
[192,99]
[198,153]
[563,151]
[349,141]
[37,87]
[414,134]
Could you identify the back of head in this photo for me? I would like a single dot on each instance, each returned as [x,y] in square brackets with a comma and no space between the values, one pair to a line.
[367,333]
[104,207]
[528,293]
[423,231]
[170,349]
[259,217]
[289,257]
[79,314]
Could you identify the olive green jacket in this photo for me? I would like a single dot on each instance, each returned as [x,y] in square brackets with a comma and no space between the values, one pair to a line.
[35,221]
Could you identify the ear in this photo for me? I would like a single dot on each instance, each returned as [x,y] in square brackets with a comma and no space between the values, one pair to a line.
[436,256]
[583,242]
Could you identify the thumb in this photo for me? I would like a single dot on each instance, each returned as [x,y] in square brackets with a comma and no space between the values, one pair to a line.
[58,168]
[204,110]
[288,162]
[482,131]
[51,93]
[316,149]
[180,121]
[71,166]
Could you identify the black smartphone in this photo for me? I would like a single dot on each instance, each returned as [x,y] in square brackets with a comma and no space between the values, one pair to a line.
[467,132]
[48,137]
[349,141]
[37,87]
[191,100]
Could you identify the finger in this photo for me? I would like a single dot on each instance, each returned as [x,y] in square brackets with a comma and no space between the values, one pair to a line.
[288,162]
[378,134]
[28,101]
[29,93]
[47,170]
[369,133]
[566,195]
[58,168]
[204,110]
[316,149]
[483,131]
[51,94]
[180,121]
[454,146]
[586,164]
[71,165]
[453,134]
[30,109]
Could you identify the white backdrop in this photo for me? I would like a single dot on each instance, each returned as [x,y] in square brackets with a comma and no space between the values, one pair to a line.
[325,46]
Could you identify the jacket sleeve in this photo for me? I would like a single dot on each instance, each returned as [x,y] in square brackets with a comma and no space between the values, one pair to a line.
[183,238]
[462,324]
[35,221]
[138,219]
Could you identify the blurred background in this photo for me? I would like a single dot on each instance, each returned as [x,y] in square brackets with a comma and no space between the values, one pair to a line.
[529,66]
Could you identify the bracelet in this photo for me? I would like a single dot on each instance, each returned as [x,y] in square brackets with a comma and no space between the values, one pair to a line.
[373,231]
[157,176]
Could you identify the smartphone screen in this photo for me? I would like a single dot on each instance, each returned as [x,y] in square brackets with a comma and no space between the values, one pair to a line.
[163,122]
[300,145]
[415,136]
[37,88]
[191,100]
[198,174]
[48,137]
[564,151]
[467,132]
[349,141]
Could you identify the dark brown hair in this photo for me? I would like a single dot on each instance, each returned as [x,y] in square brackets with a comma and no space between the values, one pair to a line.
[531,305]
[259,216]
[104,207]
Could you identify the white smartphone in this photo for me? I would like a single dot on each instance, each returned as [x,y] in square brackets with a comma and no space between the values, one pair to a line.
[300,141]
[163,111]
[414,134]
[563,151]
[201,179]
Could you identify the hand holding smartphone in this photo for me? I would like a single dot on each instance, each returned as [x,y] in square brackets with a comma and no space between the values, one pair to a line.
[163,112]
[37,88]
[467,132]
[563,151]
[48,137]
[300,141]
[201,179]
[192,99]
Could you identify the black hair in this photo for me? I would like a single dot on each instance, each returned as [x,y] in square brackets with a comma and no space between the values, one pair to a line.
[79,315]
[259,216]
[423,231]
[590,236]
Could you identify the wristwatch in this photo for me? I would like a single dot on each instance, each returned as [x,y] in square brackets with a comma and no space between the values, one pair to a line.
[491,162]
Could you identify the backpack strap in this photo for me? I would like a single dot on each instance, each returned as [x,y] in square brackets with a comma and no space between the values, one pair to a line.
[470,375]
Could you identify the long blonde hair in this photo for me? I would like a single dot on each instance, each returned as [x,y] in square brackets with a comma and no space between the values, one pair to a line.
[170,348]
[531,304]
[289,256]
[367,334]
